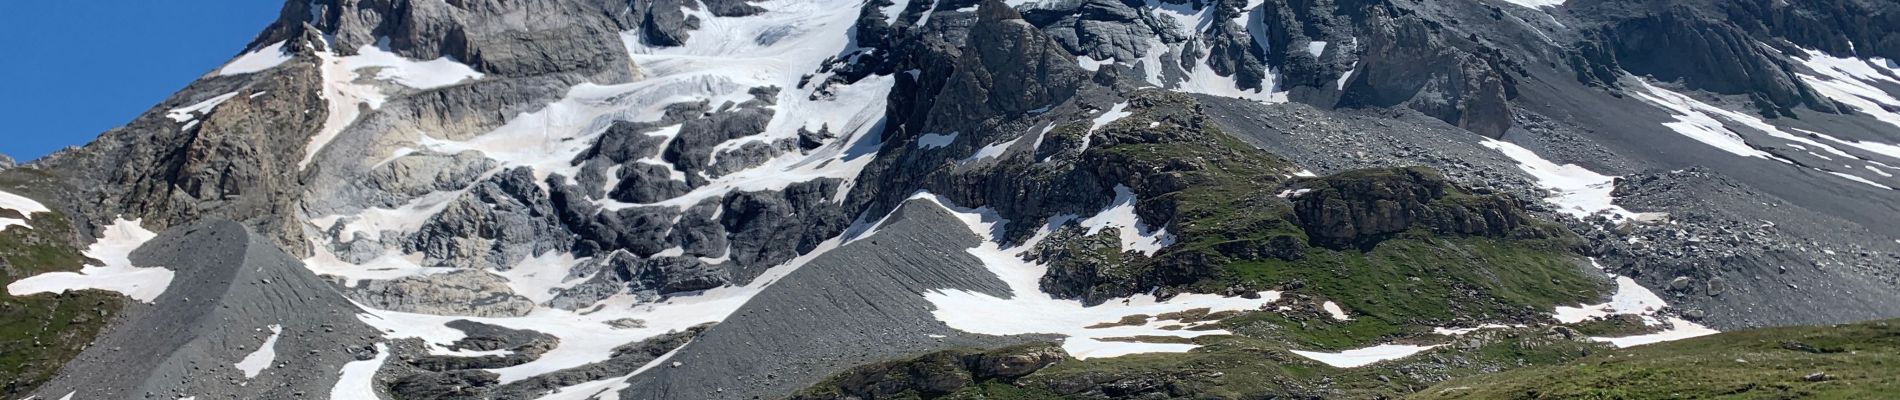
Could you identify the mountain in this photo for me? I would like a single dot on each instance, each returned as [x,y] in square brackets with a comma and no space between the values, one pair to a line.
[734,199]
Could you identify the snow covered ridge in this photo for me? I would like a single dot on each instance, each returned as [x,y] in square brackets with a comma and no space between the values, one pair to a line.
[116,275]
[20,204]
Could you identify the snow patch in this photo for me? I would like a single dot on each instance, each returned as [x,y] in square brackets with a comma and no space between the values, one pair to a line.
[1334,310]
[1114,113]
[1461,331]
[191,112]
[1316,48]
[1029,310]
[1679,329]
[358,377]
[1696,120]
[1536,3]
[993,150]
[1366,356]
[25,206]
[263,58]
[116,275]
[1630,298]
[1574,189]
[1855,82]
[259,359]
[1633,298]
[1135,235]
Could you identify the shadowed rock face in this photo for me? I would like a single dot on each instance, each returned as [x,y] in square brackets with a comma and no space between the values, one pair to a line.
[1410,62]
[1682,44]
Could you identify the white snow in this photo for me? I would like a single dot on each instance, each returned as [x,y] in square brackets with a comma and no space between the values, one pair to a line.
[1574,189]
[1633,298]
[1536,3]
[1135,235]
[1366,356]
[116,275]
[1151,64]
[1029,310]
[263,58]
[1679,329]
[1114,113]
[25,206]
[358,377]
[1857,178]
[438,73]
[1461,331]
[1696,120]
[1854,82]
[1316,48]
[192,112]
[935,140]
[993,150]
[1334,310]
[1091,64]
[1630,298]
[259,359]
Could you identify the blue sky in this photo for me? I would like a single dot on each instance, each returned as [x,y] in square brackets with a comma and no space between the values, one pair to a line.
[71,69]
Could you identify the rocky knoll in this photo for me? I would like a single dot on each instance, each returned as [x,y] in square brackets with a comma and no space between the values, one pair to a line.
[1360,208]
[935,374]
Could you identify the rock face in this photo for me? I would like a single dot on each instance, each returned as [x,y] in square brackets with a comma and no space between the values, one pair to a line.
[1698,49]
[230,288]
[1361,208]
[936,374]
[465,292]
[1410,63]
[494,225]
